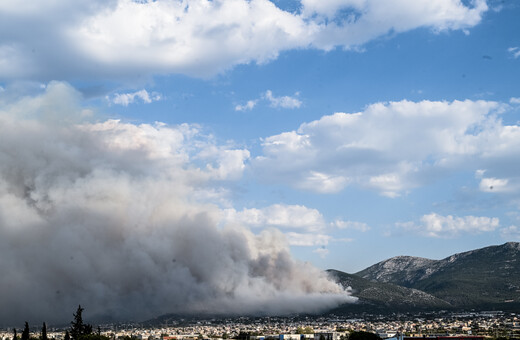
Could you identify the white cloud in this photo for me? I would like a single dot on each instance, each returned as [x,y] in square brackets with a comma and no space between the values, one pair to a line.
[129,98]
[246,107]
[514,100]
[511,233]
[124,38]
[307,240]
[222,162]
[278,215]
[497,185]
[394,147]
[351,225]
[494,185]
[442,14]
[322,182]
[309,222]
[388,184]
[284,102]
[515,51]
[434,225]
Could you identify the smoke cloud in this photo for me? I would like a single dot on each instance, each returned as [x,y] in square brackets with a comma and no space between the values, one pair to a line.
[120,218]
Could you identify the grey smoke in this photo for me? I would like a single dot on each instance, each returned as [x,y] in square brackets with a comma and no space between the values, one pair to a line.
[117,218]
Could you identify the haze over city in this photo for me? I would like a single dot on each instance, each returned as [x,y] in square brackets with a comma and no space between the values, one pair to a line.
[217,156]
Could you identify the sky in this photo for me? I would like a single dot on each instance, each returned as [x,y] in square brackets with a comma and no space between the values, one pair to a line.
[218,144]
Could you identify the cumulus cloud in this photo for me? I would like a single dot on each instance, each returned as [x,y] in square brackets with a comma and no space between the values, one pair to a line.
[129,98]
[434,225]
[444,14]
[310,225]
[395,147]
[307,239]
[247,106]
[285,102]
[278,215]
[222,162]
[494,185]
[351,225]
[109,214]
[124,38]
[514,100]
[322,182]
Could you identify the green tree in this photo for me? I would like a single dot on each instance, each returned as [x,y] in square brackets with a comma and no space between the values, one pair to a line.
[44,332]
[78,329]
[67,335]
[76,326]
[304,330]
[15,337]
[25,333]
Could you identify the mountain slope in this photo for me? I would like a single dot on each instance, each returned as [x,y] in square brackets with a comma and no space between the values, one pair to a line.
[383,297]
[484,277]
[400,270]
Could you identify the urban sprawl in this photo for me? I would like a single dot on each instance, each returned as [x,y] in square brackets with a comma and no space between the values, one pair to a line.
[470,326]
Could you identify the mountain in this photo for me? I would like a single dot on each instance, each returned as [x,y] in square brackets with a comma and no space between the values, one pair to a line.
[400,270]
[384,297]
[483,278]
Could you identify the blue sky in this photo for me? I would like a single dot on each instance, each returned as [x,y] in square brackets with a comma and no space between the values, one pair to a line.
[357,129]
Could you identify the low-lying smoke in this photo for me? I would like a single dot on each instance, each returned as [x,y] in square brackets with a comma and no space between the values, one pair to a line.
[116,217]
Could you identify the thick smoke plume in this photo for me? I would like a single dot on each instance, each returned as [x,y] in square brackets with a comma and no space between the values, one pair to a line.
[117,217]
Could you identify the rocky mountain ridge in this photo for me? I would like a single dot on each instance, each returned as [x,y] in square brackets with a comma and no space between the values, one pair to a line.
[408,270]
[486,278]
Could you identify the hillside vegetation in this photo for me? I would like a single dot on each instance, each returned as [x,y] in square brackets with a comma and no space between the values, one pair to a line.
[487,278]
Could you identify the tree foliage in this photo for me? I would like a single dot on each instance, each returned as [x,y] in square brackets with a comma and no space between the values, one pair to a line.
[78,329]
[304,330]
[44,332]
[82,331]
[25,333]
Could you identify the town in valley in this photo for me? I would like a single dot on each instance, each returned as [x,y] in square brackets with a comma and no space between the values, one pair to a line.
[438,325]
